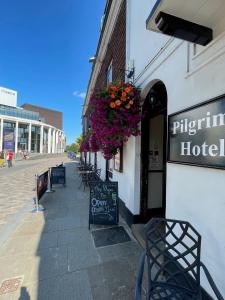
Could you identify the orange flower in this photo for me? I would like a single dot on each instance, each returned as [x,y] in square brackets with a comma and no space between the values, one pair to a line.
[113,96]
[112,105]
[123,99]
[119,84]
[124,94]
[128,89]
[113,88]
[127,106]
[118,102]
[131,102]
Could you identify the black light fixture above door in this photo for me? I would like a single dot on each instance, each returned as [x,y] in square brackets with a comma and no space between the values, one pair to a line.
[185,30]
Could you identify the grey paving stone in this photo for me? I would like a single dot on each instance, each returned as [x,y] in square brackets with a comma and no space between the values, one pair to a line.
[64,223]
[82,256]
[52,262]
[72,286]
[47,240]
[130,251]
[113,280]
[78,237]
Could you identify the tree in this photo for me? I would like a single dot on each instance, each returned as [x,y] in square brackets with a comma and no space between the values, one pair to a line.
[75,147]
[79,139]
[72,148]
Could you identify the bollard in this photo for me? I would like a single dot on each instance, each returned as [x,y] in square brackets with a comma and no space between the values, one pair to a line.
[49,190]
[37,208]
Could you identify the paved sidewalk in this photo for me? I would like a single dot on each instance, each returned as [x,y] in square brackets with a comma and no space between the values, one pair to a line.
[52,255]
[17,187]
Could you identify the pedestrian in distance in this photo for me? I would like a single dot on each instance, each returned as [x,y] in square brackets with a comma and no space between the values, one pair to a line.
[9,158]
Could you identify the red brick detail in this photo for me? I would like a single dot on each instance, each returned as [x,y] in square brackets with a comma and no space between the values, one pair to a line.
[51,117]
[116,51]
[10,285]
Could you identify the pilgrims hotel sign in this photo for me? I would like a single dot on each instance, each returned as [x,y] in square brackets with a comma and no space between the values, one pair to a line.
[197,135]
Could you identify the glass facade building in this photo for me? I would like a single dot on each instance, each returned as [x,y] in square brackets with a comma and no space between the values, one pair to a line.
[45,140]
[23,137]
[19,113]
[8,139]
[35,138]
[22,130]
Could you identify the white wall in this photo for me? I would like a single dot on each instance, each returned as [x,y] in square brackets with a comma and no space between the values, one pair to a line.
[8,97]
[194,194]
[128,183]
[137,33]
[101,164]
[197,195]
[92,158]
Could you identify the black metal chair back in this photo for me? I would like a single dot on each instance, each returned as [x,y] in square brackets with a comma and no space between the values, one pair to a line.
[173,251]
[95,175]
[173,262]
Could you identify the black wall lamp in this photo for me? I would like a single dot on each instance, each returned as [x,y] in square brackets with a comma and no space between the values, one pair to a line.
[183,29]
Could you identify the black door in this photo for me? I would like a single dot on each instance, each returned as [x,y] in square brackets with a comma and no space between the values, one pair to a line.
[154,141]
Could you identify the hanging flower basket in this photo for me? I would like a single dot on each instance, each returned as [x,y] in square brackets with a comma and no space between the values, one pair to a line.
[93,143]
[84,145]
[115,115]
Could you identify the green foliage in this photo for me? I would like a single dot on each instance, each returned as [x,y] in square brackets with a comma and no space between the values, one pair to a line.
[79,139]
[74,147]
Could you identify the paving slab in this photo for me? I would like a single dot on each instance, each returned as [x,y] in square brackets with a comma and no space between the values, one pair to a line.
[112,280]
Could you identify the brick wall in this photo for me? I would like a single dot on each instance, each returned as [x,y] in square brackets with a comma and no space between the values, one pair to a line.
[52,117]
[116,51]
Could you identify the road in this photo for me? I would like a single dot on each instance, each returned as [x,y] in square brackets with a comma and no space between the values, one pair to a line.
[17,185]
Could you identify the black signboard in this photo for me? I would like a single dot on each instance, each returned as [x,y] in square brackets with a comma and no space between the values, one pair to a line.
[61,165]
[103,203]
[42,184]
[197,135]
[58,175]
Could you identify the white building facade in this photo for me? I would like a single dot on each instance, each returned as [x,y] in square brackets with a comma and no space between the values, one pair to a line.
[176,77]
[8,97]
[25,131]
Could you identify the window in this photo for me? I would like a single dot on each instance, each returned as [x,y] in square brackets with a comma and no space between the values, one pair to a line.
[23,137]
[118,161]
[35,138]
[109,73]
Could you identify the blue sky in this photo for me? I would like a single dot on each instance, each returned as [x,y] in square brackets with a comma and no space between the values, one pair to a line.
[44,50]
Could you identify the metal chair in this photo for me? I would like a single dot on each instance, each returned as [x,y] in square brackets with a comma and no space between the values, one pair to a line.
[90,176]
[173,262]
[94,176]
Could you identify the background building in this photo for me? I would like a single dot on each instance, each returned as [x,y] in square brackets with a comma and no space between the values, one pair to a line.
[26,130]
[51,117]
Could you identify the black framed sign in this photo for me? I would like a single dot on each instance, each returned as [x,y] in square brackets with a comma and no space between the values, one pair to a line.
[42,184]
[197,135]
[58,175]
[103,207]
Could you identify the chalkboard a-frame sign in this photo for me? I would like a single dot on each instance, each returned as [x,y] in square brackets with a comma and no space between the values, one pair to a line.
[103,209]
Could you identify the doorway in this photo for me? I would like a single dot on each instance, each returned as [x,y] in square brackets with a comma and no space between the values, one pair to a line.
[153,153]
